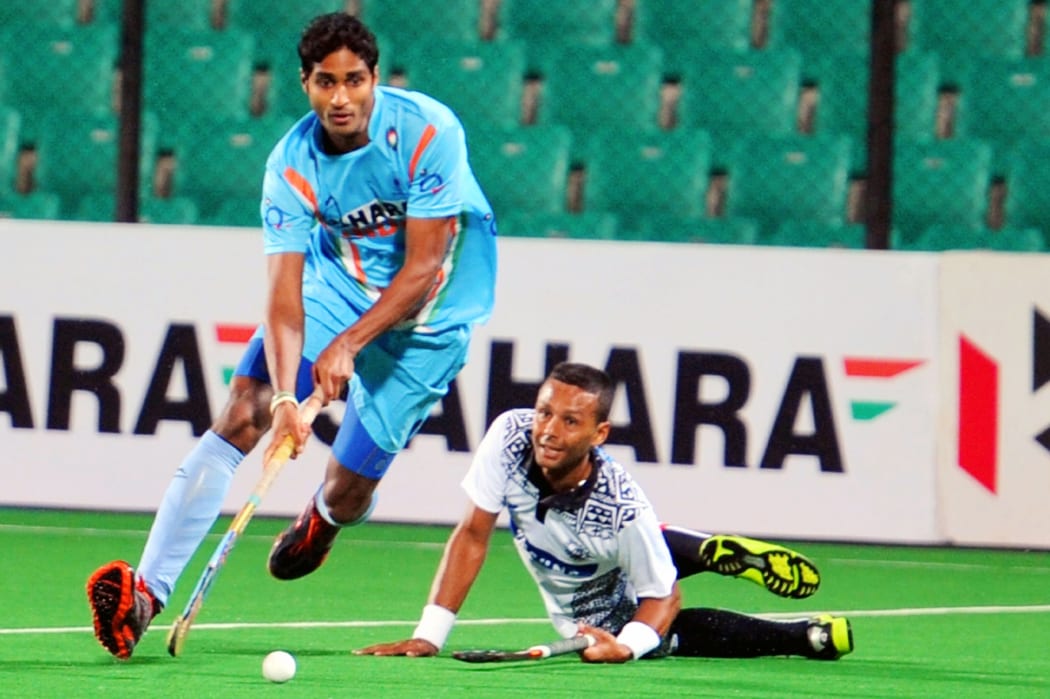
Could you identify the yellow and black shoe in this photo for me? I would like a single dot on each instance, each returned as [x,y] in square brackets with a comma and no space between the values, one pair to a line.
[780,570]
[830,636]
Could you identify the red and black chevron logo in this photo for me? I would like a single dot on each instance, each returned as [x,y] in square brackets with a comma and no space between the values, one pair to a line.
[979,398]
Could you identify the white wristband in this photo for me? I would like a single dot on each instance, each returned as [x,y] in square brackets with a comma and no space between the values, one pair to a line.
[639,637]
[435,624]
[281,397]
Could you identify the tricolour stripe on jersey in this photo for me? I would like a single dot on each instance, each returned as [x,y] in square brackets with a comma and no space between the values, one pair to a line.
[301,186]
[428,135]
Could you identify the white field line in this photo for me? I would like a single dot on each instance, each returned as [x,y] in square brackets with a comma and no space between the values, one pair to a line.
[907,612]
[215,536]
[859,562]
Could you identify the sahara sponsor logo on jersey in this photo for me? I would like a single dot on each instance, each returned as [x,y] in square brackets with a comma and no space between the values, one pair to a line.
[376,218]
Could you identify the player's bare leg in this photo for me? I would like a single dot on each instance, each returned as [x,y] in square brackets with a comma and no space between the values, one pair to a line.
[345,499]
[123,601]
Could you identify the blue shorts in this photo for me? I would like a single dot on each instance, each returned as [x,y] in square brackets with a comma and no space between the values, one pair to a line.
[398,377]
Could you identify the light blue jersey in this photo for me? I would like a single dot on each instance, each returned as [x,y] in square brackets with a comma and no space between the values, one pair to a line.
[347,213]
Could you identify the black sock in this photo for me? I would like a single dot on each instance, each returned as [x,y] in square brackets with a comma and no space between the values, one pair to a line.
[717,633]
[685,550]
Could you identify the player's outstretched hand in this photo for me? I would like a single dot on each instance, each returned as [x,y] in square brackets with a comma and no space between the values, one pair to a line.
[412,648]
[606,650]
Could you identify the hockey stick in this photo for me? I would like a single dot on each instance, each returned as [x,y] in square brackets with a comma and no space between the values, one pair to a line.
[548,650]
[177,635]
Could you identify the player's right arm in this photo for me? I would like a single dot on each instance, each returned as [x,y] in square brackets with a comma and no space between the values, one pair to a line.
[464,554]
[283,342]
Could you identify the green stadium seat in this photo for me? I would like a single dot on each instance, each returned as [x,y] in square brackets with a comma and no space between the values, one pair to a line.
[818,27]
[1004,102]
[224,161]
[78,157]
[482,82]
[10,145]
[961,31]
[59,13]
[196,77]
[415,21]
[941,182]
[188,14]
[277,26]
[645,175]
[594,86]
[681,27]
[566,22]
[816,234]
[1027,202]
[35,205]
[732,94]
[842,107]
[789,178]
[240,211]
[584,225]
[151,209]
[939,238]
[715,231]
[83,57]
[522,169]
[5,77]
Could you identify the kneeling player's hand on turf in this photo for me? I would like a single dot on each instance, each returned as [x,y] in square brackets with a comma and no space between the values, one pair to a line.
[606,650]
[412,648]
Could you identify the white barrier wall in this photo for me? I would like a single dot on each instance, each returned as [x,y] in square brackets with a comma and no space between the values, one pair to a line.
[792,393]
[995,341]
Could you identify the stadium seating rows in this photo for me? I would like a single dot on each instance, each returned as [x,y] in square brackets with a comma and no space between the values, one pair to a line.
[737,113]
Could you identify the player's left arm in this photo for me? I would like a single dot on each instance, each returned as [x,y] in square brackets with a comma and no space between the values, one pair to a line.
[434,203]
[652,619]
[426,243]
[645,558]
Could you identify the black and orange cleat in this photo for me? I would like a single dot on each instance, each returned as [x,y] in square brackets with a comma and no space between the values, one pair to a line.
[302,547]
[122,607]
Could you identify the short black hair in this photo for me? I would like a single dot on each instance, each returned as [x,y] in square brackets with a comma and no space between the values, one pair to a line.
[328,33]
[589,379]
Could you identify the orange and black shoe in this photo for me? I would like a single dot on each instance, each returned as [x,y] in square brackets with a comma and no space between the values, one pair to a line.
[122,607]
[302,547]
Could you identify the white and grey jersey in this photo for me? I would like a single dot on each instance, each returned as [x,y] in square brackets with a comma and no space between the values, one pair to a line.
[593,552]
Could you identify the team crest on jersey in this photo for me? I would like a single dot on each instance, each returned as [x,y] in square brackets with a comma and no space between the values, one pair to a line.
[391,138]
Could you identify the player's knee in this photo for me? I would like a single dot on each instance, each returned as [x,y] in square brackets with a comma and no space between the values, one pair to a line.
[246,416]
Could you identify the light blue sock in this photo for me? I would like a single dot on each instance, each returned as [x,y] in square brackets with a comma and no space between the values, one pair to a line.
[189,509]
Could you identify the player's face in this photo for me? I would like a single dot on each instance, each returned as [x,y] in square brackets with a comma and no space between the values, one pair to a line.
[341,90]
[565,428]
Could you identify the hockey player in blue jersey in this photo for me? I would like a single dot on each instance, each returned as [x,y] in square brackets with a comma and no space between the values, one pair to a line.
[381,257]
